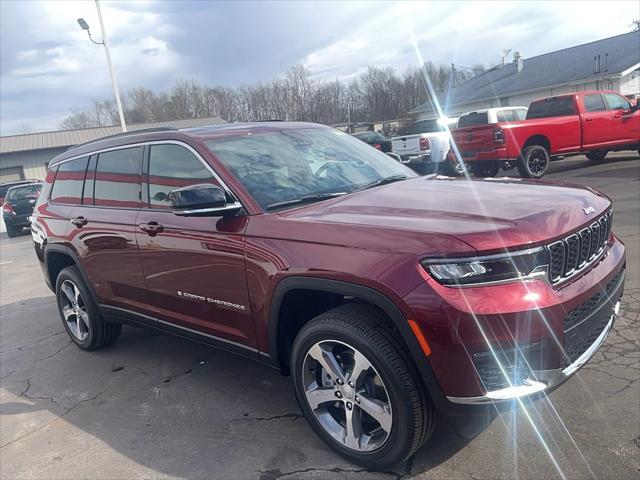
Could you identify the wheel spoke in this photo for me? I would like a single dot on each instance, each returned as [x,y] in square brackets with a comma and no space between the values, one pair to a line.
[328,361]
[69,292]
[353,428]
[67,312]
[84,318]
[378,410]
[319,396]
[360,366]
[76,291]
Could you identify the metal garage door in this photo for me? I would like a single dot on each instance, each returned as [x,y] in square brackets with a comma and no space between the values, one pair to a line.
[11,174]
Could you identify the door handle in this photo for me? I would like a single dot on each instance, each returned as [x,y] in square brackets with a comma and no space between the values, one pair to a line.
[152,228]
[617,115]
[79,221]
[588,119]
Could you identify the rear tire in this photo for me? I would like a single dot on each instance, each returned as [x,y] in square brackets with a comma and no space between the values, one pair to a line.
[596,155]
[346,337]
[485,169]
[11,231]
[79,313]
[533,162]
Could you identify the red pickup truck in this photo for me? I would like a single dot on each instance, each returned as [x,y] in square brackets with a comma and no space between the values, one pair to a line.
[591,123]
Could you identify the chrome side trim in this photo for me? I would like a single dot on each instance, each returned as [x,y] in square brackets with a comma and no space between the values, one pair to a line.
[155,142]
[542,379]
[203,211]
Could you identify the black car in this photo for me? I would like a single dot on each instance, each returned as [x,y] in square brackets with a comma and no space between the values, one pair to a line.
[18,206]
[375,139]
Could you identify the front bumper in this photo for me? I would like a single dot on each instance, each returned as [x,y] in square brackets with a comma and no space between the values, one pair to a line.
[416,159]
[501,342]
[542,380]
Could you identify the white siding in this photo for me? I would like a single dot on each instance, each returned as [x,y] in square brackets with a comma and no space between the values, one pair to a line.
[630,84]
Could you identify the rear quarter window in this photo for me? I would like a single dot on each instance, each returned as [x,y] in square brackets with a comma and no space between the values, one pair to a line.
[67,186]
[552,107]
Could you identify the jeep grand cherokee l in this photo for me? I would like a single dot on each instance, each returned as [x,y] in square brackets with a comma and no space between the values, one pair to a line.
[385,295]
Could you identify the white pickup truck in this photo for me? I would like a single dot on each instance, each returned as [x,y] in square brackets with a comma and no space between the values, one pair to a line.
[426,143]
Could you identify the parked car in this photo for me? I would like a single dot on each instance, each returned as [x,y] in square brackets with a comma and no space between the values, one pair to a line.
[385,295]
[376,140]
[425,146]
[7,185]
[487,116]
[591,123]
[18,206]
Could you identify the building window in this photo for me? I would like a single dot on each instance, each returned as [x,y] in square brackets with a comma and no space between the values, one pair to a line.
[11,174]
[504,102]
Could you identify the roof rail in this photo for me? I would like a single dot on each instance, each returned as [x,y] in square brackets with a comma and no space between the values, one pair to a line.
[124,134]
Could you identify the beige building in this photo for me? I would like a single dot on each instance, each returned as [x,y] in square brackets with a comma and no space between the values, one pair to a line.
[27,156]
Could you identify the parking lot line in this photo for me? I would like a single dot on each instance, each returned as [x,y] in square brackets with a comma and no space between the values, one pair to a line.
[12,244]
[6,263]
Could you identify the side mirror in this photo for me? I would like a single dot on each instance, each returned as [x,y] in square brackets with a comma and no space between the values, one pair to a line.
[203,200]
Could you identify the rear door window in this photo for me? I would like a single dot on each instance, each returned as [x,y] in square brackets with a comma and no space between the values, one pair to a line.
[552,107]
[170,167]
[594,103]
[506,116]
[67,186]
[117,179]
[472,119]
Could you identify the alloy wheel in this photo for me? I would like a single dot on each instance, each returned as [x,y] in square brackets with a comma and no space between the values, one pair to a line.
[537,162]
[347,395]
[74,310]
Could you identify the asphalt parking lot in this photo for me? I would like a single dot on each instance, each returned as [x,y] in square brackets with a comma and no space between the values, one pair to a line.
[153,406]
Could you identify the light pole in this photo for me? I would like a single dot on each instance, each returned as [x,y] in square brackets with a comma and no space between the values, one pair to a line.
[85,26]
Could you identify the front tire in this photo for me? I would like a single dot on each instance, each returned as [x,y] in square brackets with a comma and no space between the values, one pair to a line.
[358,389]
[80,315]
[534,162]
[596,155]
[11,231]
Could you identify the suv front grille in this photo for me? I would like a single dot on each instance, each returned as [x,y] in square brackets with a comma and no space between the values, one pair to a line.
[577,251]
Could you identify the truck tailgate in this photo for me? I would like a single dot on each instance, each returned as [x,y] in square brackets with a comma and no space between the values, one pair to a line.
[474,139]
[406,145]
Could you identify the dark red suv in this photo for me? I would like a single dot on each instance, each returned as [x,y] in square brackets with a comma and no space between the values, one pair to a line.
[386,296]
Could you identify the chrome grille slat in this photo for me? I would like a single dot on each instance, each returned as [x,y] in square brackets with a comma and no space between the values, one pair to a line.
[576,252]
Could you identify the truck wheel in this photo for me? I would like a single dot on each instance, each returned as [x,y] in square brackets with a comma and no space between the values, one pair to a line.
[358,389]
[596,155]
[11,231]
[456,169]
[534,162]
[80,315]
[485,169]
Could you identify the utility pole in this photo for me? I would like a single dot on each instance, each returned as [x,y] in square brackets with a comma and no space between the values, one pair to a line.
[83,24]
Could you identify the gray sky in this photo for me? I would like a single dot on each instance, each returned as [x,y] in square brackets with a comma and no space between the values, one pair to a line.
[48,66]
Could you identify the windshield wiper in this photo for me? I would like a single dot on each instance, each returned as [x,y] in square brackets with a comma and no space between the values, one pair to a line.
[384,181]
[306,199]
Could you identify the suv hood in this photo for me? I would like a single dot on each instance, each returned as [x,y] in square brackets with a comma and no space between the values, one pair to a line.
[488,215]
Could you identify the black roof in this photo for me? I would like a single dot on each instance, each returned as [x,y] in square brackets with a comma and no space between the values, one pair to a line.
[568,65]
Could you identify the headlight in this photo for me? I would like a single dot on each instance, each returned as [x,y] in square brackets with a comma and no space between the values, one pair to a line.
[503,267]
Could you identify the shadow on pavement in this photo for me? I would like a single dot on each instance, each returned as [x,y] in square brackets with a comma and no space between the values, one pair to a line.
[176,407]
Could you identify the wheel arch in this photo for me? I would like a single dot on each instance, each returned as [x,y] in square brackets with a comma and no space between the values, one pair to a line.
[541,140]
[279,351]
[56,258]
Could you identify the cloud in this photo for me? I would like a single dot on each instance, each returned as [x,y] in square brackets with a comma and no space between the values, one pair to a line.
[48,65]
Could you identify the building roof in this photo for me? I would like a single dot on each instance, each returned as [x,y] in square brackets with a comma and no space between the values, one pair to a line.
[67,138]
[566,66]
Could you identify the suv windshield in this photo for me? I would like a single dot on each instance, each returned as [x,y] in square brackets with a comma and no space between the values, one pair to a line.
[288,166]
[28,191]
